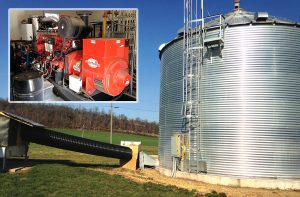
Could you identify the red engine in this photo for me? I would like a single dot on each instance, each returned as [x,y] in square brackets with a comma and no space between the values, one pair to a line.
[105,65]
[88,64]
[48,43]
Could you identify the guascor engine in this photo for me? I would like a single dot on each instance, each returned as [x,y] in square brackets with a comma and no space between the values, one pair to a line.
[85,64]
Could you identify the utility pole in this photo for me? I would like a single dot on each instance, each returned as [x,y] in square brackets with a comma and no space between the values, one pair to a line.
[111,117]
[111,121]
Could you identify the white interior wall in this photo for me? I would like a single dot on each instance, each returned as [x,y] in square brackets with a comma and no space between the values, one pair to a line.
[16,16]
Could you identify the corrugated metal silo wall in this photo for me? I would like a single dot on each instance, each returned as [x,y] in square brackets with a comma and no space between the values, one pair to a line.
[170,100]
[250,113]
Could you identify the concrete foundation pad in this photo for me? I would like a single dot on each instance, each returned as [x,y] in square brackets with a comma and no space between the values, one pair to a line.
[283,184]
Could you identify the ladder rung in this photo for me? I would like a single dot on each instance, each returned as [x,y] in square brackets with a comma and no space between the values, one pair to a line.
[191,75]
[190,116]
[196,20]
[194,48]
[190,102]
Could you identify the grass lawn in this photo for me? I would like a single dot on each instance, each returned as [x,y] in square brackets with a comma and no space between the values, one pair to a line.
[57,172]
[63,180]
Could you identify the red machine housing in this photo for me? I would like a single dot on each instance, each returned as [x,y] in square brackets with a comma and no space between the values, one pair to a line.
[74,63]
[105,61]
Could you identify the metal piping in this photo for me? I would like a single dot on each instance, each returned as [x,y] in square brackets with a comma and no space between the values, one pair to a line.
[104,23]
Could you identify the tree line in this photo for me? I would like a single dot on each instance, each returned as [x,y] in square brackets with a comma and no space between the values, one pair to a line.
[61,116]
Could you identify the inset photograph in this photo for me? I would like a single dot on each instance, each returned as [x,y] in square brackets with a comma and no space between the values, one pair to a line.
[73,55]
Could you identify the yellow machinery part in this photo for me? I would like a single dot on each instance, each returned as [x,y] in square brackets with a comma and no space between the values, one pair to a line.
[180,146]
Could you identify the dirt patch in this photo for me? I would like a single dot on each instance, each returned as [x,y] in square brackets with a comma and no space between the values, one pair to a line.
[152,175]
[19,170]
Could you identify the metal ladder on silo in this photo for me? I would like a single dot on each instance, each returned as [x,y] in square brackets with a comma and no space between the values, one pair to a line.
[193,59]
[192,71]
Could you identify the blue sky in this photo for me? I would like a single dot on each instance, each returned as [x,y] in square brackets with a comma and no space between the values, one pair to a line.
[159,21]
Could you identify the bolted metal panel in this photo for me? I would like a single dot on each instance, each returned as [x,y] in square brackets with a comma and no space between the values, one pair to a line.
[250,102]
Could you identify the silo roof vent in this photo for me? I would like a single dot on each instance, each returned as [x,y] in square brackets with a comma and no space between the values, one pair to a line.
[236,4]
[261,16]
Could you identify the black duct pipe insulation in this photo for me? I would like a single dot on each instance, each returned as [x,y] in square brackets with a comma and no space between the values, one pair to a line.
[85,18]
[43,136]
[72,27]
[84,15]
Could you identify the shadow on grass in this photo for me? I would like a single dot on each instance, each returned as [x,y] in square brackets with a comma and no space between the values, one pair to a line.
[13,163]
